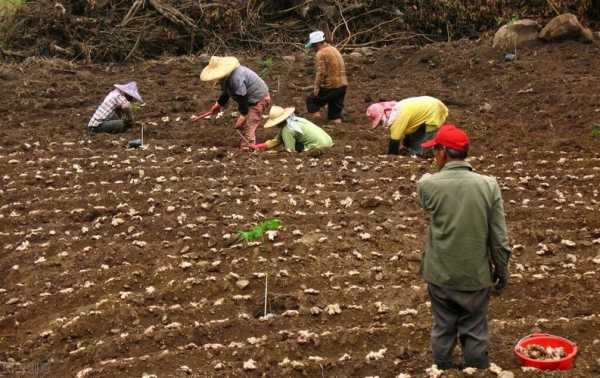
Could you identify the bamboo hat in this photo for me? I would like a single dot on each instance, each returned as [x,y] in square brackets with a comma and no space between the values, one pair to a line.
[130,89]
[277,114]
[219,67]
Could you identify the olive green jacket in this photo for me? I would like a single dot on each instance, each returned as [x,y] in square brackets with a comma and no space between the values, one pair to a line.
[466,238]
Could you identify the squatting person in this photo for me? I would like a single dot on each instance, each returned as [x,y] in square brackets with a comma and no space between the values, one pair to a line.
[466,250]
[295,133]
[245,87]
[330,81]
[115,114]
[411,121]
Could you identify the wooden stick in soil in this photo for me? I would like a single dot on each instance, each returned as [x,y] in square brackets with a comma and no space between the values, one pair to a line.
[266,292]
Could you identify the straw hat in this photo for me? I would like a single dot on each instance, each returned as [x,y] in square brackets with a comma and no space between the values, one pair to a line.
[219,67]
[130,89]
[277,114]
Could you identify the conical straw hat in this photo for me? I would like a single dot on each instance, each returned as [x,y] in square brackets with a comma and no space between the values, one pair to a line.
[219,67]
[131,89]
[277,114]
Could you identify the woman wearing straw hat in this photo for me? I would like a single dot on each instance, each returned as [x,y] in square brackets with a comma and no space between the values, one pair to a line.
[245,87]
[296,134]
[115,115]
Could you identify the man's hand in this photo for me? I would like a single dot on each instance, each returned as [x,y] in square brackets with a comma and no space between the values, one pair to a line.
[500,279]
[316,91]
[215,108]
[241,121]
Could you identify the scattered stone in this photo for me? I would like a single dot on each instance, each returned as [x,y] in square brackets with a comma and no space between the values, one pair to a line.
[242,284]
[506,374]
[515,34]
[565,26]
[376,356]
[434,372]
[333,309]
[250,365]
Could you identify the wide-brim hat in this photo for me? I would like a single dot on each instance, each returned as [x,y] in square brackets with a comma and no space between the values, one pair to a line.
[130,89]
[219,67]
[277,114]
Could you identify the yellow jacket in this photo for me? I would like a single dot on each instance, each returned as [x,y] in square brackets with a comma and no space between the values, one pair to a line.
[416,111]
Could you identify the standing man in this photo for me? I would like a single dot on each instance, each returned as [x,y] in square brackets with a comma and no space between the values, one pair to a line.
[466,252]
[411,121]
[247,89]
[330,81]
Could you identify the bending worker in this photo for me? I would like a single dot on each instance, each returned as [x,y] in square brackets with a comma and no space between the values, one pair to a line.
[296,134]
[330,81]
[411,121]
[115,114]
[247,89]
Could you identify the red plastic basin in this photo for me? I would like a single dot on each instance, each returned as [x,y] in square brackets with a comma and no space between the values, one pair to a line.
[547,340]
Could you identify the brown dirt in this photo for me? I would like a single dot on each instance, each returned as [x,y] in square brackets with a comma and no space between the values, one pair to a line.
[80,295]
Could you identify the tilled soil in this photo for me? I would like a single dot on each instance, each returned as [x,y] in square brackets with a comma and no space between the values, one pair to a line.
[119,263]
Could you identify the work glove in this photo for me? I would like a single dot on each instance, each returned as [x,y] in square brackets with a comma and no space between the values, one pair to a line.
[500,279]
[241,121]
[215,108]
[259,147]
[394,147]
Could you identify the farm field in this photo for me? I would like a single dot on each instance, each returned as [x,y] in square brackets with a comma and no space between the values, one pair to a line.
[118,262]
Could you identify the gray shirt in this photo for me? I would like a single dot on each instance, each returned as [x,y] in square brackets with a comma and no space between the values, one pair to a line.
[246,88]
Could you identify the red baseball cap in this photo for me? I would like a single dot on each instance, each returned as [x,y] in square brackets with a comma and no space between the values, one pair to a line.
[449,136]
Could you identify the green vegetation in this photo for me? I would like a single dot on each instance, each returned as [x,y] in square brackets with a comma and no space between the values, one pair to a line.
[266,64]
[596,130]
[259,230]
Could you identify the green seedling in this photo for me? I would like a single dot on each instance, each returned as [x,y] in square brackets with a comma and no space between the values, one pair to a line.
[259,230]
[267,63]
[596,130]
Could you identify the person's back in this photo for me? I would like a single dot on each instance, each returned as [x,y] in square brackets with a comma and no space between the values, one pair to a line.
[333,68]
[466,250]
[306,133]
[460,203]
[245,82]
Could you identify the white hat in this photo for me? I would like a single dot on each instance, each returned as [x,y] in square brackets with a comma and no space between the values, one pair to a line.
[219,67]
[315,37]
[277,114]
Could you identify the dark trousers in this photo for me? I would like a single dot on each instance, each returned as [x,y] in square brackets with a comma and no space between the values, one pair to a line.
[459,315]
[413,141]
[113,126]
[333,98]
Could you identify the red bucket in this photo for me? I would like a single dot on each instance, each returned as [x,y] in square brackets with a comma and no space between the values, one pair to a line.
[547,340]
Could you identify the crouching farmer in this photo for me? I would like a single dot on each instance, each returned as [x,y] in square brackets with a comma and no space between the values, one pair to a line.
[466,250]
[115,114]
[297,134]
[411,121]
